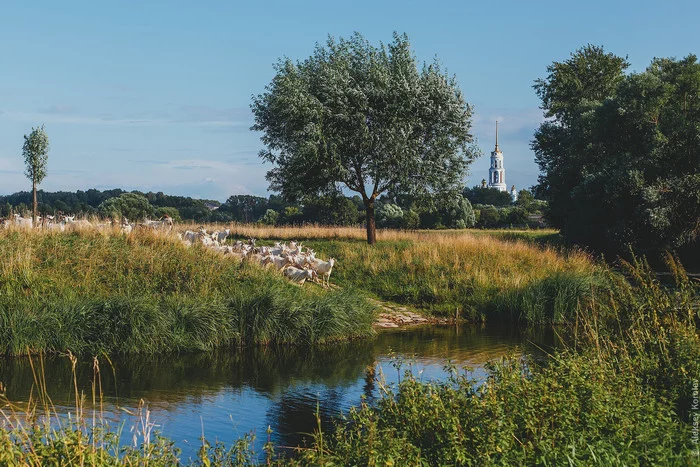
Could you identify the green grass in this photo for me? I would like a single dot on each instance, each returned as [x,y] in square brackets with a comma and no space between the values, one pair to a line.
[475,277]
[619,394]
[91,292]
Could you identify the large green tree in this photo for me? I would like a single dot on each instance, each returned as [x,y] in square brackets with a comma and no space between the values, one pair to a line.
[620,154]
[35,152]
[364,118]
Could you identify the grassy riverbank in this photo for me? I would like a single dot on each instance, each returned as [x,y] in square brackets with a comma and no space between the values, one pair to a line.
[92,292]
[621,393]
[475,275]
[89,291]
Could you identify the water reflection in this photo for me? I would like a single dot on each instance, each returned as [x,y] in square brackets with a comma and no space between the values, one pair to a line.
[230,392]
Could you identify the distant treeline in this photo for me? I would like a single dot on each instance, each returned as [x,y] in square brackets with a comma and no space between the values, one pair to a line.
[477,207]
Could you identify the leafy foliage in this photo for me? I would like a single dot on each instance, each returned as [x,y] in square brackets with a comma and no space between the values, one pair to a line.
[35,152]
[389,215]
[492,196]
[457,213]
[331,210]
[365,118]
[620,157]
[270,217]
[130,205]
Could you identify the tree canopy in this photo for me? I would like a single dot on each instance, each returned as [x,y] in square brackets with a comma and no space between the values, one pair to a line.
[133,206]
[364,118]
[35,152]
[486,195]
[620,156]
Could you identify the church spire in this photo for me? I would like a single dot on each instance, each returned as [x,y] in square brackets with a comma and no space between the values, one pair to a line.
[496,135]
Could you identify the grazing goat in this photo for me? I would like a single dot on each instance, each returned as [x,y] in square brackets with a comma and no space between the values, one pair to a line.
[164,223]
[20,221]
[299,276]
[323,268]
[221,236]
[125,227]
[299,261]
[279,262]
[73,224]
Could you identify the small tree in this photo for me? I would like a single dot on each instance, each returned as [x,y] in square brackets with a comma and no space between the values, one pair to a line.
[35,152]
[490,217]
[457,213]
[270,217]
[365,118]
[411,219]
[130,205]
[389,215]
[525,200]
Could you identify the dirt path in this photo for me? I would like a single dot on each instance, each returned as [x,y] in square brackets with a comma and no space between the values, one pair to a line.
[395,316]
[392,315]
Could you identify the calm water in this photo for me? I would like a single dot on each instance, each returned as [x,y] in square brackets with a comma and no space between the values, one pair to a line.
[227,394]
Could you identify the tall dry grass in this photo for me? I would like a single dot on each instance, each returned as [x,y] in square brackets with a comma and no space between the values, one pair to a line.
[475,277]
[471,274]
[312,231]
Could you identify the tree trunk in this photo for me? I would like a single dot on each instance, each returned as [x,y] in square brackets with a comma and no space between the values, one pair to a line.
[35,204]
[371,224]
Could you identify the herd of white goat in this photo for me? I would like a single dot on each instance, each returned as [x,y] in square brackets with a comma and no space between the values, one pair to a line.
[62,223]
[296,262]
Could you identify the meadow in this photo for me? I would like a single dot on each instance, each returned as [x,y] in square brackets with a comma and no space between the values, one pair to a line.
[94,291]
[103,292]
[473,274]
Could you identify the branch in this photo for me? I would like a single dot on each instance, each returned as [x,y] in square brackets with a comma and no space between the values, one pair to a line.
[360,180]
[387,185]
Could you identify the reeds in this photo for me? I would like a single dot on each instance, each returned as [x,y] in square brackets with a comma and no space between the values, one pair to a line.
[36,434]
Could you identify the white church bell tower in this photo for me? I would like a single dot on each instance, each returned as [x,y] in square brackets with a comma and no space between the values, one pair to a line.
[497,173]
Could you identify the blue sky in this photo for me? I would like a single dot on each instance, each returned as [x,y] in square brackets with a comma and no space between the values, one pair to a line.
[155,95]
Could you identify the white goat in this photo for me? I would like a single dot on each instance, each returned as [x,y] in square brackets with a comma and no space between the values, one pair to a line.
[221,236]
[23,222]
[279,262]
[299,276]
[125,227]
[323,268]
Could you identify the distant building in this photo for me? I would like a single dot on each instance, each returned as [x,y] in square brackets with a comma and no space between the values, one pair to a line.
[211,206]
[513,193]
[497,173]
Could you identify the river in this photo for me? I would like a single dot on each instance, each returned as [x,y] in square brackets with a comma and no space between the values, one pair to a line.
[228,393]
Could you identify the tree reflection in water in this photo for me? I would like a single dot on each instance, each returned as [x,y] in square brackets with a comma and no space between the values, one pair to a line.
[233,391]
